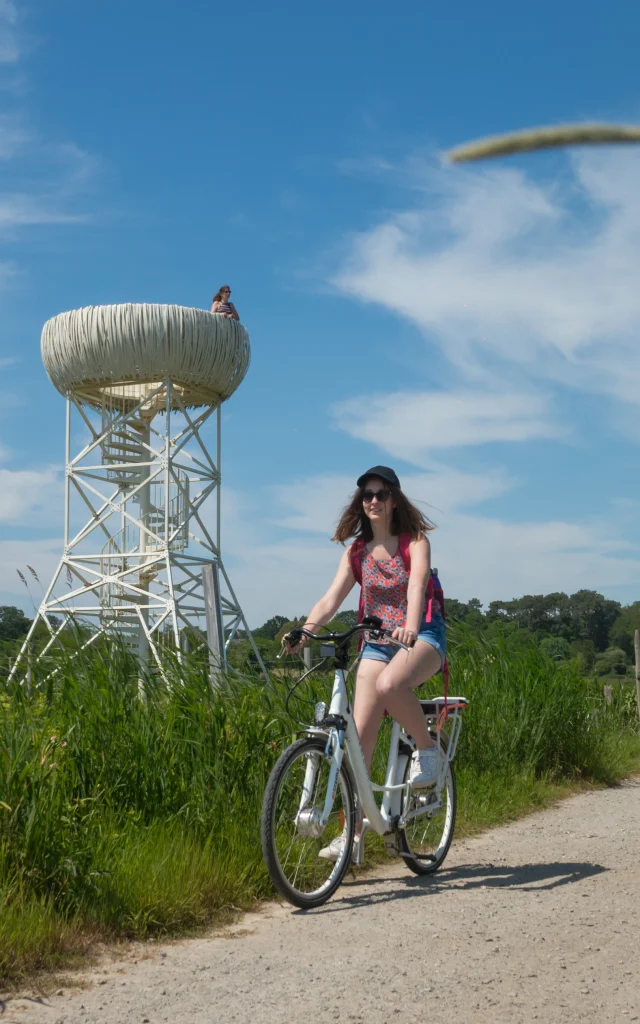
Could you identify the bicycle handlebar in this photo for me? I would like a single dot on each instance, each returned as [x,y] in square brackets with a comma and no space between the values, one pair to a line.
[371,624]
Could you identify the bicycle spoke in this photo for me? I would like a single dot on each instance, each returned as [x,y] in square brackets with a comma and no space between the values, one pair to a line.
[293,819]
[428,834]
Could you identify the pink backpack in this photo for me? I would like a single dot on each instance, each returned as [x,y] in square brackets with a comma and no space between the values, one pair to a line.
[435,596]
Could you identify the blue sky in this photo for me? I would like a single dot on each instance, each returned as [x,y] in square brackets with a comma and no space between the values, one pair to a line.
[475,327]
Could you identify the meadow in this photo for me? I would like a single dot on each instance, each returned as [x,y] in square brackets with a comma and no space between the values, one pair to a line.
[129,811]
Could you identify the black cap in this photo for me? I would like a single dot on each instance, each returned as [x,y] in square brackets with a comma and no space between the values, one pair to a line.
[383,472]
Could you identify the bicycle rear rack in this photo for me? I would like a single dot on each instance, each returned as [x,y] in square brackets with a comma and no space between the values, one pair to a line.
[435,710]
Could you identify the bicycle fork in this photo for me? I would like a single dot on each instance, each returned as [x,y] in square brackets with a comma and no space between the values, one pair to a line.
[310,821]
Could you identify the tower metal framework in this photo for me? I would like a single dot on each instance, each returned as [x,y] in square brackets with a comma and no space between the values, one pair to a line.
[142,381]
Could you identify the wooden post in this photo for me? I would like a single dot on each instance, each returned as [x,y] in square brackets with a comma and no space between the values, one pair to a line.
[215,639]
[608,694]
[636,644]
[306,654]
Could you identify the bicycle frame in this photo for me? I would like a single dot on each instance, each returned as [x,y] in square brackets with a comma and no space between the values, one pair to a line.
[342,736]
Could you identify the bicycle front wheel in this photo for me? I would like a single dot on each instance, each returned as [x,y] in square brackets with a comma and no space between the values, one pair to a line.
[291,835]
[426,838]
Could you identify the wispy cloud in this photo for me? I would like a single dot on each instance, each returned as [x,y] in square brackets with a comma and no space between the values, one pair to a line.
[22,210]
[513,279]
[29,497]
[45,181]
[9,41]
[13,136]
[413,425]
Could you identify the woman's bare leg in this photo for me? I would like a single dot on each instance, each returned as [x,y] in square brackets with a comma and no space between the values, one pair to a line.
[368,706]
[379,689]
[396,683]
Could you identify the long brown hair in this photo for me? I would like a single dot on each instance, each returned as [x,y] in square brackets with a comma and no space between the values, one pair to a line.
[218,296]
[406,518]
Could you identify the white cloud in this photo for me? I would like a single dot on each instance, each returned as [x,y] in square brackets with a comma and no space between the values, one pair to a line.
[283,578]
[411,425]
[517,280]
[12,136]
[29,497]
[43,179]
[23,210]
[9,42]
[490,559]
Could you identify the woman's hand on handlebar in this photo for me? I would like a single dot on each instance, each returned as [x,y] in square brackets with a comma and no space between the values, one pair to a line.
[293,643]
[295,639]
[405,636]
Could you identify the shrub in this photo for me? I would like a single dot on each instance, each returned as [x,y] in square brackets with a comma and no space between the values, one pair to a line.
[613,661]
[555,647]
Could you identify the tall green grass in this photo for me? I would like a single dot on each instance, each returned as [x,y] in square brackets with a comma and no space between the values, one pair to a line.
[137,812]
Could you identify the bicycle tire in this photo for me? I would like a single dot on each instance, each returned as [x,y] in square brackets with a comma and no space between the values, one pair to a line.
[272,819]
[406,837]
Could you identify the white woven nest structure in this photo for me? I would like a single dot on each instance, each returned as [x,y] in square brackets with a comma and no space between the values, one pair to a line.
[121,352]
[142,547]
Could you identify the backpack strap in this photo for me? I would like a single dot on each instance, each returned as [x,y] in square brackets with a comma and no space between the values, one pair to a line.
[404,540]
[356,551]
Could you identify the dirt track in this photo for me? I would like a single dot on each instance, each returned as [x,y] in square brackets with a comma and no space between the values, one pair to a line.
[536,921]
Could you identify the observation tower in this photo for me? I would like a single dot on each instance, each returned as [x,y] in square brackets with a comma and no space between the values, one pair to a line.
[142,546]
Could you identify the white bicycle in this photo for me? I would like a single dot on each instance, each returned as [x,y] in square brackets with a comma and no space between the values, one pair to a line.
[319,788]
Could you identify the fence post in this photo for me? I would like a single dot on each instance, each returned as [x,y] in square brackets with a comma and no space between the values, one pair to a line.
[608,694]
[306,654]
[636,644]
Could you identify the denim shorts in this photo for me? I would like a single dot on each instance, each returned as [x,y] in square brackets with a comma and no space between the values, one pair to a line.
[433,633]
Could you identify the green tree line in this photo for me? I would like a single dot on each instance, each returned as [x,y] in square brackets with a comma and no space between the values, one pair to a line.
[586,626]
[595,630]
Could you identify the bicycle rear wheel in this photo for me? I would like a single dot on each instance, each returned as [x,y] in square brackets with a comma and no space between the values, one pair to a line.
[425,840]
[293,801]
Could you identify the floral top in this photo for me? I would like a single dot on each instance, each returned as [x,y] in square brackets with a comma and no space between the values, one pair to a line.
[384,588]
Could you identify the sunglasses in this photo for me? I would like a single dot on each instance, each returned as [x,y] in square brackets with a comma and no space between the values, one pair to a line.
[226,291]
[382,495]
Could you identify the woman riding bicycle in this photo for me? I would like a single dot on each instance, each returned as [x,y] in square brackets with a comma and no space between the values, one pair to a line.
[378,517]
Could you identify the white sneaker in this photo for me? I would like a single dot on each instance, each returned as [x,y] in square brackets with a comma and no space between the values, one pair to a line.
[424,768]
[335,848]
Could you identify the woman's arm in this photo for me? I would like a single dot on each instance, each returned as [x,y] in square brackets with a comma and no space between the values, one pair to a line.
[214,306]
[420,552]
[235,311]
[324,610]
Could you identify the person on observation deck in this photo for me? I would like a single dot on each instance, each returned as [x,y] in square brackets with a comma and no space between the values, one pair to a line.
[222,305]
[383,524]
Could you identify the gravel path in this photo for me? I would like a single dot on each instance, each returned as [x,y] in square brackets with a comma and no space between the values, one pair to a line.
[535,921]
